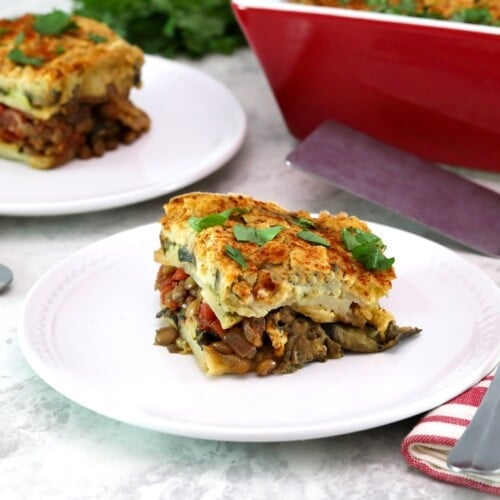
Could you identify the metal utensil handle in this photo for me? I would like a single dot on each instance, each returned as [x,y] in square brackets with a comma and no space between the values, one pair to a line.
[5,276]
[478,450]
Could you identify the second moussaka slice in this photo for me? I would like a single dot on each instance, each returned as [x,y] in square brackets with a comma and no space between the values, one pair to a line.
[64,89]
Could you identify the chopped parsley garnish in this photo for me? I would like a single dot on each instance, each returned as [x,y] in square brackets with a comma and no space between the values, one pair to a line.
[59,50]
[476,13]
[366,248]
[473,16]
[313,238]
[200,223]
[16,55]
[256,235]
[404,7]
[217,219]
[54,23]
[4,31]
[93,37]
[304,223]
[235,254]
[19,39]
[353,237]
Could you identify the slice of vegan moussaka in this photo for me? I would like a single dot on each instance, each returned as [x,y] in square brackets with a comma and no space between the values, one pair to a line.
[248,286]
[64,89]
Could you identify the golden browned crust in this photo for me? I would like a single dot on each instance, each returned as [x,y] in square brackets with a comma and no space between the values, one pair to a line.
[75,65]
[326,284]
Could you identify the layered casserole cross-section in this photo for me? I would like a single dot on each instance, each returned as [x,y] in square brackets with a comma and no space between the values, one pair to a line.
[248,286]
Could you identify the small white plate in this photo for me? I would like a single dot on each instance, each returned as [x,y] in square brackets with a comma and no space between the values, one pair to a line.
[197,125]
[87,328]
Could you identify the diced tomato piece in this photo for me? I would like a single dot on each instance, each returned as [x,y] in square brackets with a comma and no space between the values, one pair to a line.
[166,282]
[179,275]
[8,136]
[208,321]
[11,124]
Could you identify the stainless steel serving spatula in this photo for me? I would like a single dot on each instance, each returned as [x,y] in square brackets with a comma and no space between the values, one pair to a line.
[478,449]
[441,200]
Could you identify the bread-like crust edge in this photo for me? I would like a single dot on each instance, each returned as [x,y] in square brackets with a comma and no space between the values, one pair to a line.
[12,152]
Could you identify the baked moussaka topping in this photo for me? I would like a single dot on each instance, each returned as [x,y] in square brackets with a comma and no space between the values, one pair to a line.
[64,89]
[248,286]
[486,12]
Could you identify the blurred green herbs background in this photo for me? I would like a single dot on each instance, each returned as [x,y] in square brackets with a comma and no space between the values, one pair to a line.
[169,27]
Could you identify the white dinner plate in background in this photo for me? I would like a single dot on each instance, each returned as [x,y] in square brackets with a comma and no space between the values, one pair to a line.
[197,125]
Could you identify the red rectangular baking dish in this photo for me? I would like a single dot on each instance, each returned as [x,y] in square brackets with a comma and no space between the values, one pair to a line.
[429,87]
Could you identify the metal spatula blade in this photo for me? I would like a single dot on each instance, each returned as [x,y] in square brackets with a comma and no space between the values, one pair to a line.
[478,449]
[441,200]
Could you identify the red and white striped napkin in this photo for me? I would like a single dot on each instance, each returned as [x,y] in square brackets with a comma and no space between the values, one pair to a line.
[427,446]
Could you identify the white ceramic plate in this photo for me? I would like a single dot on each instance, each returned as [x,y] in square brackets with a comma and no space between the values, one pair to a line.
[87,328]
[196,126]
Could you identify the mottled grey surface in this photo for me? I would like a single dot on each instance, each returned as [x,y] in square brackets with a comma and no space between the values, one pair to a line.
[52,448]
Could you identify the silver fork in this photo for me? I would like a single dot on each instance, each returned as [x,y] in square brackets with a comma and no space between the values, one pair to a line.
[478,449]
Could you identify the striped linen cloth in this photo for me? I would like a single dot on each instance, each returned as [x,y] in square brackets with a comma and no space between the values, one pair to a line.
[427,446]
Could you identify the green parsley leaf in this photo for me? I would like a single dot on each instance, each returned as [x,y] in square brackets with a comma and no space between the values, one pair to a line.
[372,257]
[349,239]
[235,254]
[201,223]
[17,56]
[54,23]
[256,235]
[304,223]
[474,15]
[217,219]
[4,31]
[353,237]
[59,50]
[313,238]
[169,27]
[19,39]
[93,37]
[366,248]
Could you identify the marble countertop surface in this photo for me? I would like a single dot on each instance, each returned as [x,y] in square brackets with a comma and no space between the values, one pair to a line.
[52,448]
